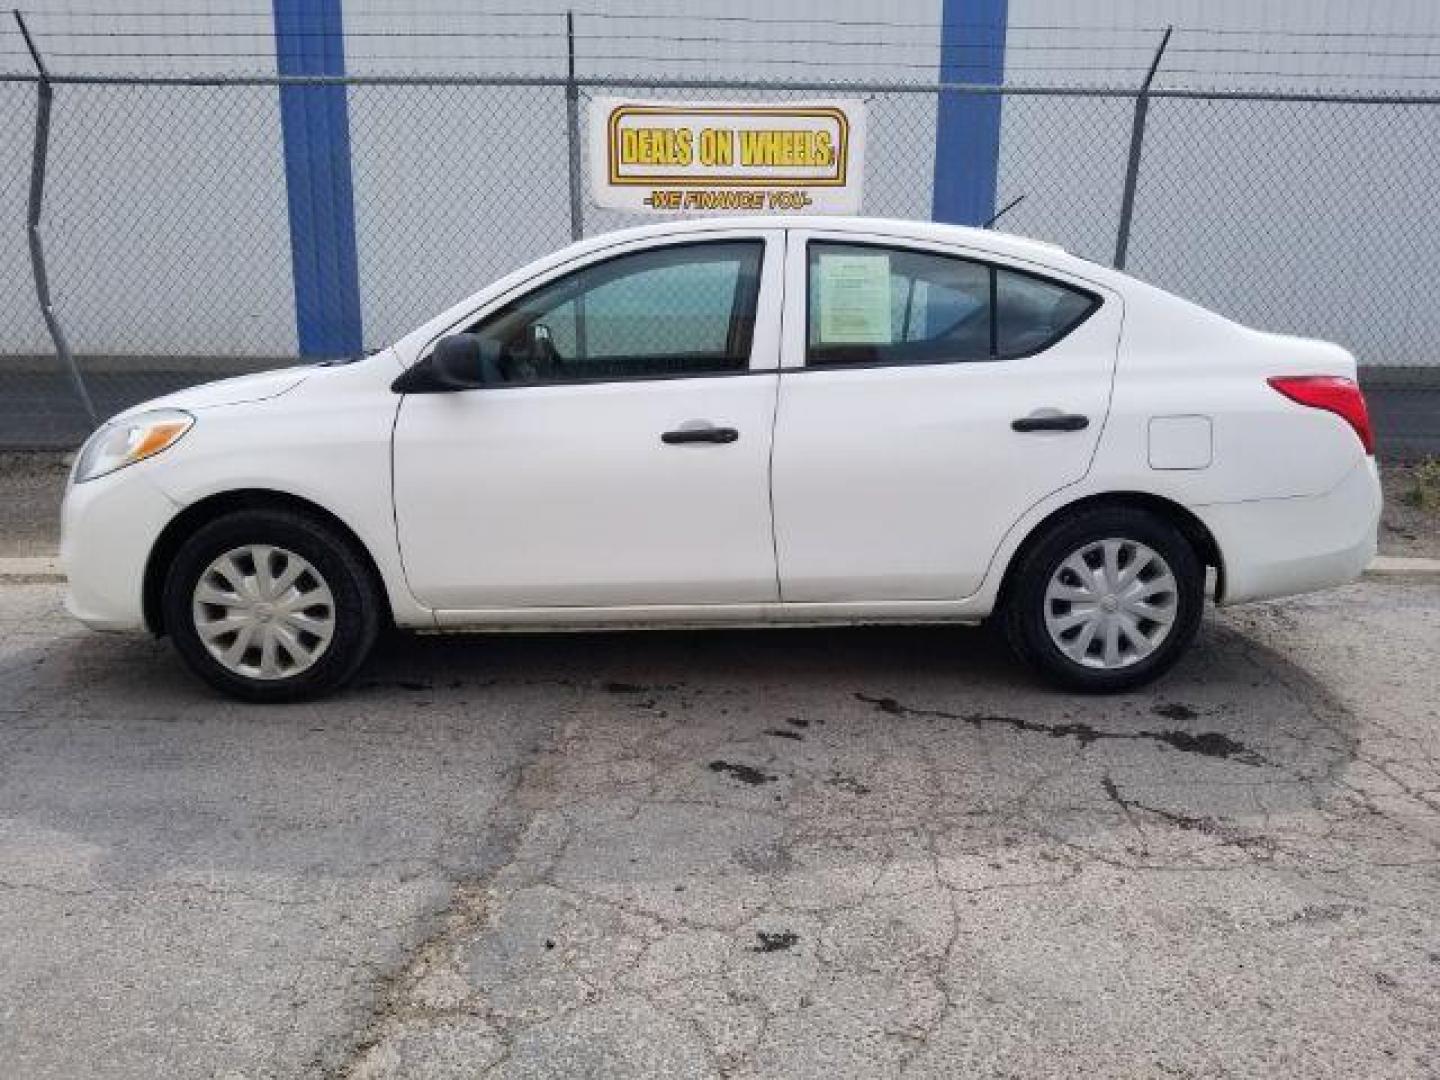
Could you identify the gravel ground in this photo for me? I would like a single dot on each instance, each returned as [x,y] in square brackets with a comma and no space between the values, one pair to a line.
[31,487]
[1406,529]
[793,853]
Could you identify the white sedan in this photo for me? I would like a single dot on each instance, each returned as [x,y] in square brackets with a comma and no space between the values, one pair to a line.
[741,422]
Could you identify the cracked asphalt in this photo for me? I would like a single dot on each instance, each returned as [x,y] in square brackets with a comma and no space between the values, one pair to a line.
[831,853]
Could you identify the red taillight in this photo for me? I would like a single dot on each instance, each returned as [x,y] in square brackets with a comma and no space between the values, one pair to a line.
[1333,394]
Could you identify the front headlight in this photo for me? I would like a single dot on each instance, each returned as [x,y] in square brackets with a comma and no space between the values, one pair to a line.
[135,438]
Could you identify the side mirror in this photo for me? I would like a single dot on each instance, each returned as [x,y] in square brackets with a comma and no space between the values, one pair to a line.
[455,362]
[458,362]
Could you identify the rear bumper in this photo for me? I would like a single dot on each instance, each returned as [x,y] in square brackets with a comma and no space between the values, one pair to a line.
[107,529]
[1281,547]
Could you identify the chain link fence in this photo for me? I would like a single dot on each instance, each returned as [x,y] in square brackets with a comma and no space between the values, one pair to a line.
[167,234]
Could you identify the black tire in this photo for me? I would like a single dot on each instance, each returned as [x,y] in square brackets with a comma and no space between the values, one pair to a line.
[1022,616]
[358,604]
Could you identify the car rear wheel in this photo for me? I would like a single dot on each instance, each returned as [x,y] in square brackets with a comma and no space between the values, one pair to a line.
[1105,600]
[271,605]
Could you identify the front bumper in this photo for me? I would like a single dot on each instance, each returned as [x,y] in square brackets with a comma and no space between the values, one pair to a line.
[108,527]
[1282,547]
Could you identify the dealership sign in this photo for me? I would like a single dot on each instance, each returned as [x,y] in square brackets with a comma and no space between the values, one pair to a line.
[706,157]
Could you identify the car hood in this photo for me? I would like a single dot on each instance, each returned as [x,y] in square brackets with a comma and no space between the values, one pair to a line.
[237,391]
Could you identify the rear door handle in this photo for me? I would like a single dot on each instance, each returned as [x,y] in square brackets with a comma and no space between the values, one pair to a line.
[706,433]
[1051,422]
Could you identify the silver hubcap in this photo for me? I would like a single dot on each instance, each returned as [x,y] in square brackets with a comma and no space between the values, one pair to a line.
[1111,603]
[264,612]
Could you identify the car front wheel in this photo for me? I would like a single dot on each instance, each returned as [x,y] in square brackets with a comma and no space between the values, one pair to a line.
[271,605]
[1106,599]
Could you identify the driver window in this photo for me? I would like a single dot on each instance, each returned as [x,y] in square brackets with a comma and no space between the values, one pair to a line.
[878,305]
[681,310]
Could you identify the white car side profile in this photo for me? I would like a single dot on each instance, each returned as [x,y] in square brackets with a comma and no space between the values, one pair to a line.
[747,421]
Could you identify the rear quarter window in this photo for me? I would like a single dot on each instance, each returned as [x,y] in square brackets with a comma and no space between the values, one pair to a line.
[1032,313]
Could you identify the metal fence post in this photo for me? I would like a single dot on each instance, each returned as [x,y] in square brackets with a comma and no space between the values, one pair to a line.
[1132,168]
[44,92]
[572,129]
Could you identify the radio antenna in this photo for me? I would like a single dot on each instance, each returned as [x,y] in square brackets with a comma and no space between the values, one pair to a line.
[1004,210]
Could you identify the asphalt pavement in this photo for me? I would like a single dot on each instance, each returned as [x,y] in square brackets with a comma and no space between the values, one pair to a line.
[829,853]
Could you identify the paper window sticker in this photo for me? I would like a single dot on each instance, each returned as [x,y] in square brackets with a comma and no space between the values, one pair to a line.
[855,303]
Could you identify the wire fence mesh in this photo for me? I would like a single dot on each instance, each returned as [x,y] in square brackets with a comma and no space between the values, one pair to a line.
[454,185]
[151,189]
[167,223]
[1306,217]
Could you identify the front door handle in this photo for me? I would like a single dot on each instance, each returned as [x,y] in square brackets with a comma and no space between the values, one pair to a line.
[699,433]
[1051,422]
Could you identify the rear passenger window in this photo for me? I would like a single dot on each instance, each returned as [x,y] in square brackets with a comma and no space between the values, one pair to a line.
[892,306]
[879,305]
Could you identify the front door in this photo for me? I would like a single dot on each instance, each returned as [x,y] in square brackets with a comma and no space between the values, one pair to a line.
[898,464]
[624,458]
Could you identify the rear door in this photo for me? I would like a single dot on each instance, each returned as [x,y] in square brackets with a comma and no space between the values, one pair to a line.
[624,460]
[929,397]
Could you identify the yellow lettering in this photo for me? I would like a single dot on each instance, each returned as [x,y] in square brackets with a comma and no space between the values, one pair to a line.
[763,147]
[716,147]
[655,146]
[824,152]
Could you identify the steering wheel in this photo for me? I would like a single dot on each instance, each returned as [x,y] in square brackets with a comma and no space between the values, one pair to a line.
[533,358]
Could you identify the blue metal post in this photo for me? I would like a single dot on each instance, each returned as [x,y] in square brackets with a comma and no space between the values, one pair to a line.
[314,120]
[967,126]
